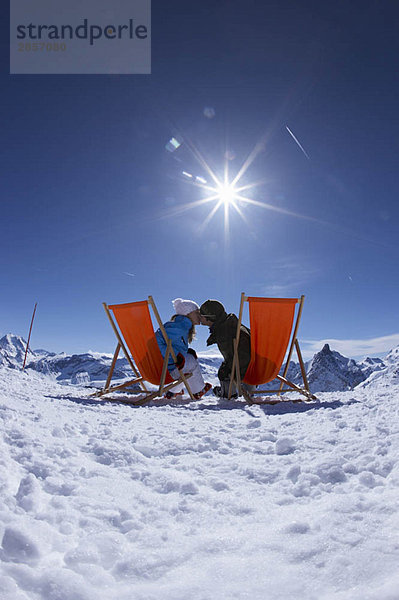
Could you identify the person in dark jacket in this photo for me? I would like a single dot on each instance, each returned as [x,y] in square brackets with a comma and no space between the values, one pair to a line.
[223,331]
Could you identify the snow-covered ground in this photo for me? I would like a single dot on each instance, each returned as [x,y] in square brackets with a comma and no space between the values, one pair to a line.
[197,501]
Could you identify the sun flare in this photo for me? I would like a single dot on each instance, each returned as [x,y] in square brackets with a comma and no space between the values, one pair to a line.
[223,191]
[227,193]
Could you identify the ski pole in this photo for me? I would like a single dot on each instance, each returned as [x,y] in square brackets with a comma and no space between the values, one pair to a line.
[30,331]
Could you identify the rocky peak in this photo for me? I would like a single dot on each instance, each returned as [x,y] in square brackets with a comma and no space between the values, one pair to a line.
[331,371]
[12,350]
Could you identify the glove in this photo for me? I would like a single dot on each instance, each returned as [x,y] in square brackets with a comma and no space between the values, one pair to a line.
[180,360]
[192,352]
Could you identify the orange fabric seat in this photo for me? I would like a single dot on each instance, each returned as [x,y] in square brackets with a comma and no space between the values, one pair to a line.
[271,321]
[135,323]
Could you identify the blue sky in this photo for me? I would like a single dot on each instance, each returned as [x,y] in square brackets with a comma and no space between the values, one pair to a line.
[91,198]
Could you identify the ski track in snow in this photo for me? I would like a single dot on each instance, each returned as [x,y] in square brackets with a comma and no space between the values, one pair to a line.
[196,501]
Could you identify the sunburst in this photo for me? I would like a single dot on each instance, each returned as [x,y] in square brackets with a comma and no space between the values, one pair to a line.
[225,192]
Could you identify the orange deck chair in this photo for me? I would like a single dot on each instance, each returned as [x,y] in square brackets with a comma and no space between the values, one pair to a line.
[145,358]
[272,326]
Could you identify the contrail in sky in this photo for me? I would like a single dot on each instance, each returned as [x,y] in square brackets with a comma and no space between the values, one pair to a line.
[297,141]
[130,274]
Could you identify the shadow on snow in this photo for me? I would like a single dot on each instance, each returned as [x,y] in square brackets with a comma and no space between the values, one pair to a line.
[210,404]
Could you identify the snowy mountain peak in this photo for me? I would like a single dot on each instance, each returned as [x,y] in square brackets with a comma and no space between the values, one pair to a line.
[12,350]
[330,371]
[12,343]
[372,361]
[387,374]
[393,356]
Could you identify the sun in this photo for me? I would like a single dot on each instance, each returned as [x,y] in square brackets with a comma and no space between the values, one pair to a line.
[227,193]
[220,190]
[223,191]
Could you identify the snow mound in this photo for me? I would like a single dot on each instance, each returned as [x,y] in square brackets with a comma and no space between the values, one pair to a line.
[180,501]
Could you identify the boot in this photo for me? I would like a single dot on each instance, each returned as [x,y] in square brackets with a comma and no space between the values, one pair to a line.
[222,391]
[173,396]
[205,390]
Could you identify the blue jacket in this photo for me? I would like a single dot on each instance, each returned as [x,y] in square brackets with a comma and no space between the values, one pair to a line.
[177,331]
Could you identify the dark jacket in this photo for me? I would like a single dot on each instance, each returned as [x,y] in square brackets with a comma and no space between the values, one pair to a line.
[223,333]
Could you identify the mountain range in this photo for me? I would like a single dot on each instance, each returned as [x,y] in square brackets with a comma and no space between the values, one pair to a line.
[327,371]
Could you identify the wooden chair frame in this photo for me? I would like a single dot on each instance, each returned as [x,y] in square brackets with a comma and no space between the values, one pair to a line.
[148,394]
[289,385]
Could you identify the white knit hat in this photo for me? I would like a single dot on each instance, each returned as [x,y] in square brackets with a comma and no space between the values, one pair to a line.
[184,307]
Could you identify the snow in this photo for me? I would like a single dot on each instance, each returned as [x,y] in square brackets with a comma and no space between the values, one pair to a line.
[196,501]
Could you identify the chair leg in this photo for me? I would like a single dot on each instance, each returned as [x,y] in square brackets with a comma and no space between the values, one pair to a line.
[164,367]
[118,347]
[302,365]
[157,393]
[116,387]
[305,393]
[233,371]
[247,396]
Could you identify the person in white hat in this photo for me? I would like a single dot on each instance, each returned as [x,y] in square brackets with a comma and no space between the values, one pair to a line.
[181,331]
